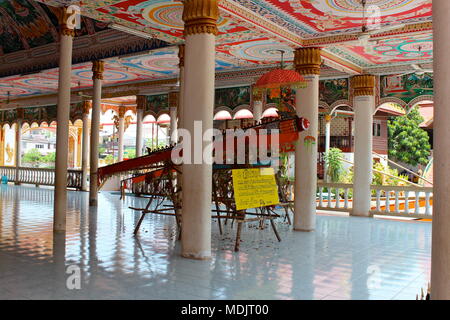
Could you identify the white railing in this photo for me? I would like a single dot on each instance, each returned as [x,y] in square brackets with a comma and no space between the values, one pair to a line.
[413,202]
[401,201]
[40,177]
[334,196]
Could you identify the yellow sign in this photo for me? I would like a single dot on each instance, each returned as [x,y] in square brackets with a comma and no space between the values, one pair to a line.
[255,188]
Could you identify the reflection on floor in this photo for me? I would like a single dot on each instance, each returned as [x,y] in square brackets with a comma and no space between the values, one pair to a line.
[346,258]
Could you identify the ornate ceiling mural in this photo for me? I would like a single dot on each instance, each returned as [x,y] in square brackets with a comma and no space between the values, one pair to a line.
[158,64]
[251,35]
[324,17]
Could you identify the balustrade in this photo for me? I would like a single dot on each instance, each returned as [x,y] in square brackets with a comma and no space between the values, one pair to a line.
[40,176]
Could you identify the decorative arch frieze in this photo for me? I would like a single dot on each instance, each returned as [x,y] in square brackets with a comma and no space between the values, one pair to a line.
[417,100]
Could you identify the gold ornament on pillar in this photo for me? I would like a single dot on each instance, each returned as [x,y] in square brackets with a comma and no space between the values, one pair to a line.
[181,50]
[98,67]
[64,17]
[20,114]
[363,85]
[307,61]
[257,95]
[200,16]
[141,102]
[87,105]
[328,118]
[173,99]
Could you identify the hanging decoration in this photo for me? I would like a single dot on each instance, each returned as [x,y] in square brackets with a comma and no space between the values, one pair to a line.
[278,84]
[309,141]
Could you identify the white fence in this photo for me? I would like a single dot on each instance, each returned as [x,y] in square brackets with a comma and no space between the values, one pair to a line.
[38,176]
[401,201]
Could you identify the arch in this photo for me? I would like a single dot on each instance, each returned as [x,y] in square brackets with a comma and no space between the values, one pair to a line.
[269,106]
[243,114]
[395,100]
[340,104]
[418,100]
[324,105]
[240,107]
[149,118]
[150,113]
[163,118]
[78,122]
[392,107]
[223,108]
[270,113]
[223,115]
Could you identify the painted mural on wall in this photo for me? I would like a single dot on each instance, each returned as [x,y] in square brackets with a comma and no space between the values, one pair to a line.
[331,91]
[40,114]
[407,87]
[157,103]
[232,97]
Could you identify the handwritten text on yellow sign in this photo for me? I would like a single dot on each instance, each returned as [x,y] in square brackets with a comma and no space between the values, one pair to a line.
[255,188]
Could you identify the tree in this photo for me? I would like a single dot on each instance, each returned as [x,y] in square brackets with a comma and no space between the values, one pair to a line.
[408,143]
[50,157]
[130,153]
[32,157]
[333,158]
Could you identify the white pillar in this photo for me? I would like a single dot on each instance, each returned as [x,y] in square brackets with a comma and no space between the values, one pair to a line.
[121,131]
[327,144]
[62,129]
[440,256]
[307,62]
[139,125]
[97,68]
[173,105]
[257,109]
[200,18]
[363,105]
[18,141]
[85,146]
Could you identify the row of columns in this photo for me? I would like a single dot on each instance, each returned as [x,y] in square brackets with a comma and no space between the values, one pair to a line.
[197,97]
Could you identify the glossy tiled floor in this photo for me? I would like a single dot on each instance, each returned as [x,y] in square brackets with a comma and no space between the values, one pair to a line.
[346,258]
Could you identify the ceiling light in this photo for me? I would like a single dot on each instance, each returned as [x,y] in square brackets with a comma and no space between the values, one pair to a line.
[134,32]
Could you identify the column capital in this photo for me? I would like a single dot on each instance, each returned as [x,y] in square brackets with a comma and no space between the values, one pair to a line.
[307,61]
[363,85]
[257,95]
[87,105]
[98,67]
[20,113]
[200,16]
[173,99]
[141,102]
[122,112]
[328,118]
[181,50]
[64,26]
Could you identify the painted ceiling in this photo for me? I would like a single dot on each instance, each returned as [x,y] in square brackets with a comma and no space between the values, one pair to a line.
[250,33]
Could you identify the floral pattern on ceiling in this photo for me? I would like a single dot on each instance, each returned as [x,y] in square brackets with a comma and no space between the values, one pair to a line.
[396,50]
[316,17]
[158,64]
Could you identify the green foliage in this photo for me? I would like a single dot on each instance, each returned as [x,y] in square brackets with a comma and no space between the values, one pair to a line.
[32,157]
[109,159]
[101,150]
[130,153]
[380,179]
[333,158]
[408,143]
[50,158]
